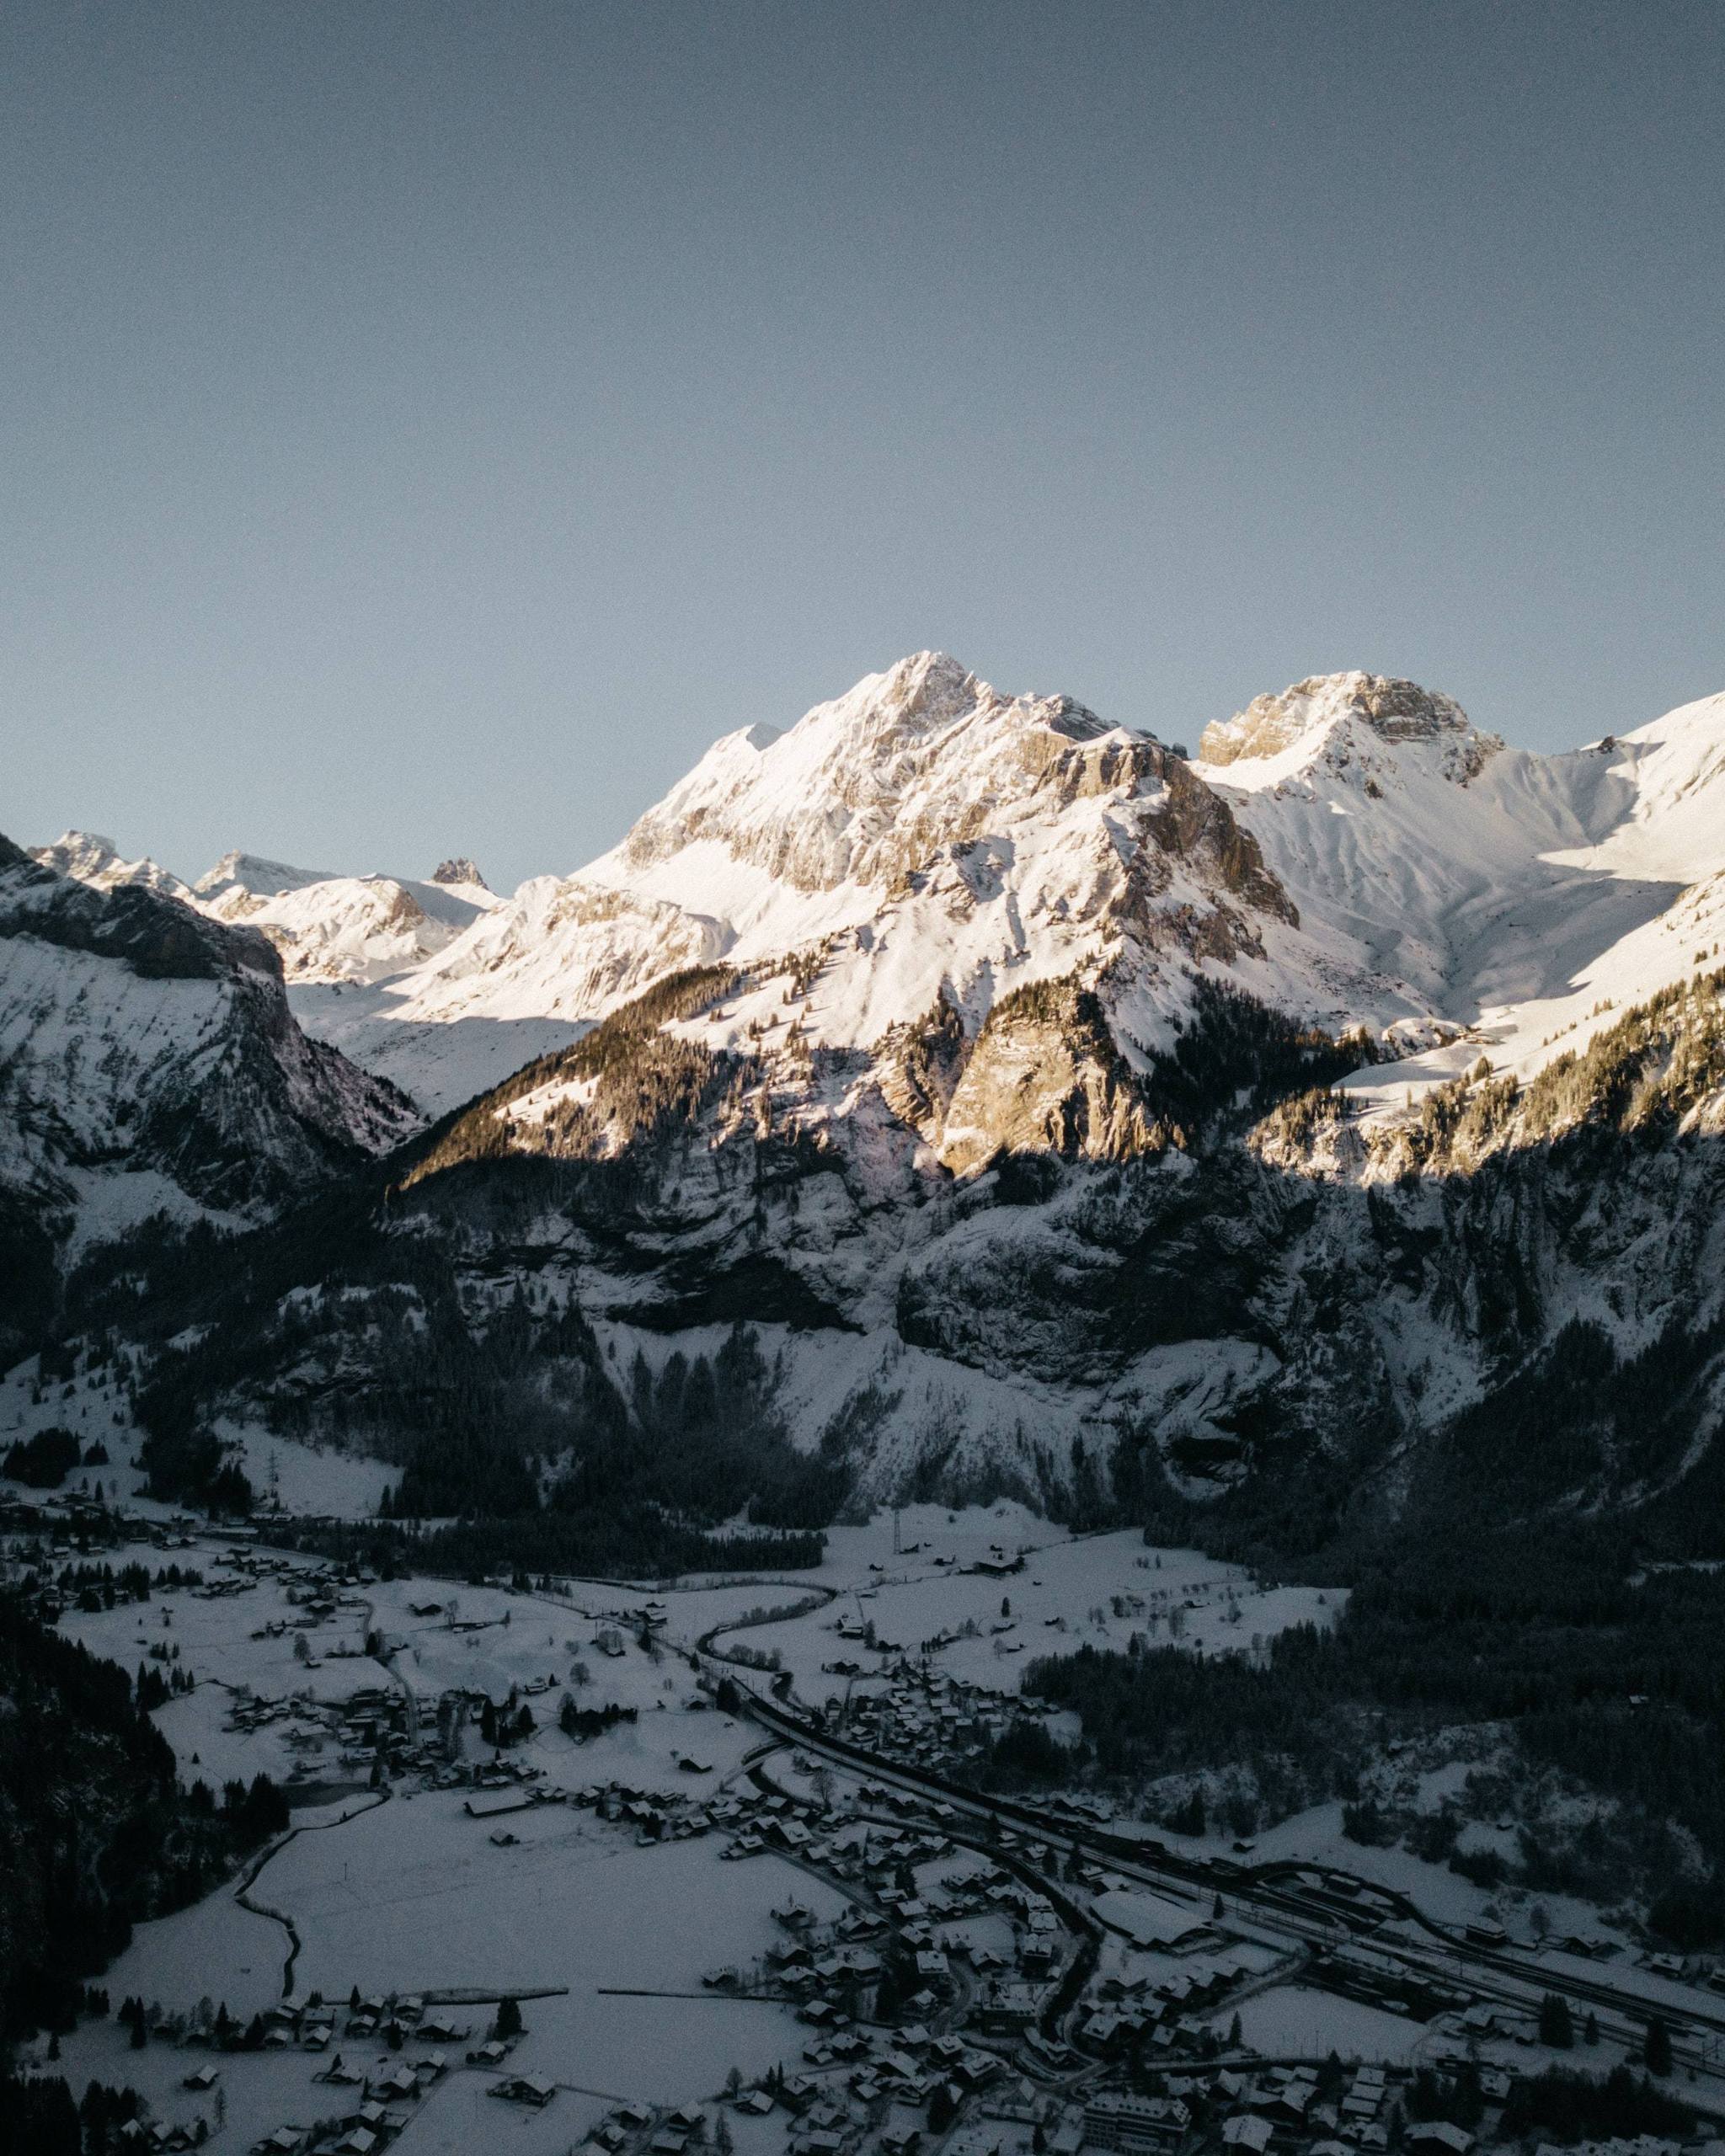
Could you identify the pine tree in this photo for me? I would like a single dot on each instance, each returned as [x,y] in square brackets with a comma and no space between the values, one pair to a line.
[1556,2026]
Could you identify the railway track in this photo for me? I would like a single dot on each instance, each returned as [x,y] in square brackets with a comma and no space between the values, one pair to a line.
[1698,2035]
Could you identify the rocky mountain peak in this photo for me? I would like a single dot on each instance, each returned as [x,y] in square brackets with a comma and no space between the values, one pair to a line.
[238,871]
[1392,709]
[869,786]
[90,858]
[459,869]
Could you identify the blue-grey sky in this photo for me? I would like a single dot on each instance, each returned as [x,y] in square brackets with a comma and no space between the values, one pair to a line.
[423,428]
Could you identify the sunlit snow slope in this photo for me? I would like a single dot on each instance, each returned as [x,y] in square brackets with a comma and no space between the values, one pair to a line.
[1524,897]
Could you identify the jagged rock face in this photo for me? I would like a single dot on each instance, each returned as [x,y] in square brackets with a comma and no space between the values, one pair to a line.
[913,765]
[1393,710]
[459,870]
[150,1062]
[1307,1302]
[1032,1193]
[1045,1078]
[923,843]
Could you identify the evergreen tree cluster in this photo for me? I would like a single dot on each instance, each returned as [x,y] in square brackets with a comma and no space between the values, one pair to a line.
[1565,2106]
[1616,1678]
[42,1461]
[95,1833]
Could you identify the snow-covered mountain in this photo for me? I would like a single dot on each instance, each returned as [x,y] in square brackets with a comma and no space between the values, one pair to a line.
[922,845]
[1375,863]
[149,1063]
[97,862]
[328,929]
[342,928]
[1056,1106]
[1522,897]
[345,941]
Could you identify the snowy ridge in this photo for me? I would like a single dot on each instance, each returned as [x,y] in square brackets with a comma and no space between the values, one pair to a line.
[96,860]
[150,1062]
[926,841]
[1352,851]
[870,889]
[357,928]
[972,1051]
[1515,894]
[923,842]
[250,873]
[326,928]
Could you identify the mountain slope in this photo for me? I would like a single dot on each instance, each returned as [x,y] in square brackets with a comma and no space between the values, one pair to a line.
[341,928]
[148,1060]
[1027,1093]
[922,845]
[96,860]
[1524,897]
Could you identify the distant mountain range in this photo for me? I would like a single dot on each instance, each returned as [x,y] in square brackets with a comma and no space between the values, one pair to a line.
[1064,1113]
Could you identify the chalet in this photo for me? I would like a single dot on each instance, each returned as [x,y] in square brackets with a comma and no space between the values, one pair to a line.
[525,2089]
[286,2141]
[1289,2103]
[1246,2135]
[1008,2008]
[494,1808]
[823,2141]
[1439,2137]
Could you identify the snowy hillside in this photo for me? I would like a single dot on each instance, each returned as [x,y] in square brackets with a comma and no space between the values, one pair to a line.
[336,933]
[341,928]
[148,1062]
[1002,1071]
[1524,897]
[1352,852]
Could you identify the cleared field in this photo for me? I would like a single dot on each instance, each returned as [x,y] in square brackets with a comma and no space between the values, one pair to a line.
[1098,1591]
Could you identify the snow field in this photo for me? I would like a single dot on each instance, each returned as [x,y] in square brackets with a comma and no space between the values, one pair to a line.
[291,1477]
[1293,2022]
[1064,1598]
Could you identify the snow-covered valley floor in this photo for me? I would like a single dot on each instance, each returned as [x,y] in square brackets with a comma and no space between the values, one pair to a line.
[401,1890]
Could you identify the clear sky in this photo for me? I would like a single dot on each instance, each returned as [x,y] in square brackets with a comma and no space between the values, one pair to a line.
[425,428]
